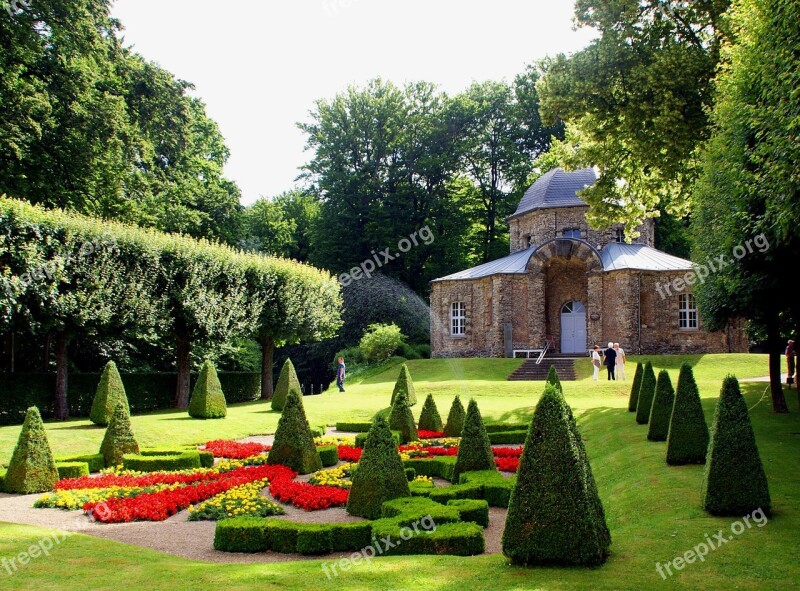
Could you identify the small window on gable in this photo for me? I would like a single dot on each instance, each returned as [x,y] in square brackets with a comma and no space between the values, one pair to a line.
[571,233]
[458,319]
[620,235]
[687,311]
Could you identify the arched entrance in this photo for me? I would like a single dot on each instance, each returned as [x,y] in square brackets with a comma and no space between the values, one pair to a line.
[573,328]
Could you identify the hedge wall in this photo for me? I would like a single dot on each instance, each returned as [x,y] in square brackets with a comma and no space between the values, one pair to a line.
[146,392]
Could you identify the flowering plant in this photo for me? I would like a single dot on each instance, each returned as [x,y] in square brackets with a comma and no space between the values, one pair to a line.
[237,501]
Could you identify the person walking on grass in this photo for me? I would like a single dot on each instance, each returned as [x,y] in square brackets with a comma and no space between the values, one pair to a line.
[610,360]
[620,361]
[340,374]
[596,362]
[790,362]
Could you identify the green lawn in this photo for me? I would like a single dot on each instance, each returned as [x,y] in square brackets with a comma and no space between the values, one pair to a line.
[653,511]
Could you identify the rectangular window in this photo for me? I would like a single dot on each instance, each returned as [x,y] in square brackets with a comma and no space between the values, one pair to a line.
[571,233]
[458,319]
[687,314]
[620,235]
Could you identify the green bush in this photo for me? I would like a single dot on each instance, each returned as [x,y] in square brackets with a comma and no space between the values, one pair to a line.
[429,419]
[421,488]
[314,540]
[32,468]
[496,488]
[687,440]
[439,466]
[293,445]
[208,400]
[96,462]
[2,480]
[110,393]
[241,534]
[553,492]
[380,341]
[474,510]
[455,419]
[470,490]
[287,382]
[350,537]
[353,426]
[646,394]
[507,437]
[552,378]
[282,535]
[457,539]
[407,510]
[662,408]
[504,427]
[402,420]
[411,474]
[633,401]
[407,352]
[164,463]
[380,476]
[119,439]
[734,483]
[361,438]
[328,455]
[72,469]
[474,451]
[405,384]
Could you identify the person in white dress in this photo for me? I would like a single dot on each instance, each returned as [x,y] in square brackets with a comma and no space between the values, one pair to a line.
[596,362]
[620,361]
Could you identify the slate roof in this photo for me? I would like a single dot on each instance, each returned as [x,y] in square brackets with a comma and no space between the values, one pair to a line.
[514,263]
[556,188]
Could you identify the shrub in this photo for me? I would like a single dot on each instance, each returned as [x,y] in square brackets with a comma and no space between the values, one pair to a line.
[241,534]
[32,468]
[96,462]
[504,427]
[411,474]
[380,341]
[407,510]
[72,469]
[328,455]
[552,378]
[443,495]
[354,426]
[553,492]
[405,384]
[420,488]
[350,537]
[380,476]
[119,439]
[287,382]
[687,440]
[504,437]
[208,400]
[455,419]
[474,451]
[458,539]
[646,394]
[161,463]
[496,488]
[637,384]
[429,419]
[402,420]
[314,539]
[439,466]
[361,438]
[662,408]
[407,351]
[110,392]
[293,445]
[734,483]
[474,510]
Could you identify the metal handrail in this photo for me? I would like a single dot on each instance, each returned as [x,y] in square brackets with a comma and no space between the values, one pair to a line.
[544,351]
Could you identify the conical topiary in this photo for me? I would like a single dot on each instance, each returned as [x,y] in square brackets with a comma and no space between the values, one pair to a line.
[637,384]
[646,394]
[734,483]
[661,413]
[380,476]
[405,384]
[287,382]
[687,440]
[554,515]
[429,419]
[208,401]
[110,392]
[401,419]
[552,378]
[119,439]
[32,468]
[294,445]
[474,450]
[455,419]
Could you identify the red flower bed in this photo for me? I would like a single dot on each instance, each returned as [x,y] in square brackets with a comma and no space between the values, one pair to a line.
[507,464]
[151,479]
[235,450]
[423,434]
[308,496]
[507,452]
[350,454]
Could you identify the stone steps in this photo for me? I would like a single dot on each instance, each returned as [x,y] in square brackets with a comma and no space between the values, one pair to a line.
[532,372]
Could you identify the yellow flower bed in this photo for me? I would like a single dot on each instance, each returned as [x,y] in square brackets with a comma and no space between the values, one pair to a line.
[334,440]
[75,499]
[339,477]
[238,501]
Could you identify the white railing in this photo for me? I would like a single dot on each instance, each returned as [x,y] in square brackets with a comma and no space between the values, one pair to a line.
[544,351]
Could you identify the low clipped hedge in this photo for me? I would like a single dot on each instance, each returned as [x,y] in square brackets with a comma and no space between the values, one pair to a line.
[161,463]
[2,480]
[206,457]
[411,474]
[469,490]
[440,466]
[254,534]
[94,461]
[506,437]
[318,430]
[502,427]
[328,455]
[353,426]
[496,488]
[457,539]
[72,469]
[362,437]
[241,534]
[474,510]
[420,488]
[406,510]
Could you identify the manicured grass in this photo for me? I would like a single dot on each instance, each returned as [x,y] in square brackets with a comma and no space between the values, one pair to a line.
[654,511]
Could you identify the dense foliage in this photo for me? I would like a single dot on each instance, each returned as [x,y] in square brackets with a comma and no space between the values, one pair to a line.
[110,393]
[32,468]
[208,400]
[687,440]
[294,445]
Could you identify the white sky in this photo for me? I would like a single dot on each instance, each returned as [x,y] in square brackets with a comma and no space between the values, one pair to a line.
[260,64]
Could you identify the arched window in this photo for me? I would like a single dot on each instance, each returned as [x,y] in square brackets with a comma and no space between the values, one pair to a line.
[687,311]
[458,319]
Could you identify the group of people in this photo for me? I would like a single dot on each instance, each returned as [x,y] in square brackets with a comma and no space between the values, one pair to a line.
[613,358]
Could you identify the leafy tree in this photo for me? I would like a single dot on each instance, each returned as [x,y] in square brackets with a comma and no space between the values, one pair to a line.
[119,439]
[401,419]
[687,440]
[281,226]
[110,393]
[429,419]
[455,419]
[734,483]
[208,400]
[474,450]
[405,384]
[287,382]
[646,394]
[661,412]
[294,444]
[32,468]
[633,401]
[380,342]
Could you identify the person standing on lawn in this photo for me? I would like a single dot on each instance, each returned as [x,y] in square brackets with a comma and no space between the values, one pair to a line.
[790,362]
[340,374]
[610,360]
[620,361]
[596,362]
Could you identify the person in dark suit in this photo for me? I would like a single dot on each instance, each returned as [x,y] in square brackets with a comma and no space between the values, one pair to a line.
[610,361]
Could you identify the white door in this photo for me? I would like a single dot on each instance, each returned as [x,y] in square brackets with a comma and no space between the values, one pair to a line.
[573,328]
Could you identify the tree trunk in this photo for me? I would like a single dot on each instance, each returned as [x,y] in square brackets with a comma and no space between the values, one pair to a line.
[184,349]
[775,364]
[46,355]
[267,351]
[62,408]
